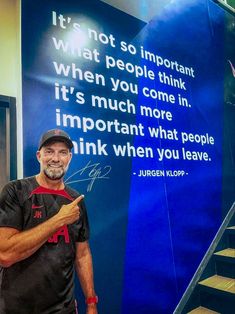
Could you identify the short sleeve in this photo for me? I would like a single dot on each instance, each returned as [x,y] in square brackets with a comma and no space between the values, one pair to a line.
[10,209]
[84,230]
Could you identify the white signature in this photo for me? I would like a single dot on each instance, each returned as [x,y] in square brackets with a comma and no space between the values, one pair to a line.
[91,172]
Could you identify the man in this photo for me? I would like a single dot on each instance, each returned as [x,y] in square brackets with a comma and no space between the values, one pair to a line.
[43,236]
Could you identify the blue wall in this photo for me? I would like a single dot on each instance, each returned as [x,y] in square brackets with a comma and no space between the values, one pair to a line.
[152,217]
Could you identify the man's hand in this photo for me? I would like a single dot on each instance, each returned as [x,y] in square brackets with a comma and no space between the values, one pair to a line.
[71,212]
[91,309]
[17,245]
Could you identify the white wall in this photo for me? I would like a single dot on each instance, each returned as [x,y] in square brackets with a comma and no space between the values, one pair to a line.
[10,62]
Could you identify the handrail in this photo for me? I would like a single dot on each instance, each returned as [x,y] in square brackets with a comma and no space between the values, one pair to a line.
[204,262]
[226,6]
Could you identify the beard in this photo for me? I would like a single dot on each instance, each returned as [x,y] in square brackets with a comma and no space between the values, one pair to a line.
[54,173]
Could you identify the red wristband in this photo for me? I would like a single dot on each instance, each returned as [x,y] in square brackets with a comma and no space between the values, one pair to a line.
[92,300]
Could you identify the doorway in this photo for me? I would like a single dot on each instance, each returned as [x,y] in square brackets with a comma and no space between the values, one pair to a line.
[8,151]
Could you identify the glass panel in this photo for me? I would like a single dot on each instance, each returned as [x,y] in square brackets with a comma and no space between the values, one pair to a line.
[231,3]
[228,4]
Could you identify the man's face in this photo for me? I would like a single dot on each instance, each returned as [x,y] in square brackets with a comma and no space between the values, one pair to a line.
[54,159]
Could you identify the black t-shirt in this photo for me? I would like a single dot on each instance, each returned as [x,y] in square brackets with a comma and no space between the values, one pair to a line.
[44,282]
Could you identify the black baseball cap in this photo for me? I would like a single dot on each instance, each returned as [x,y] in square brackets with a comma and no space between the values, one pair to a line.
[55,135]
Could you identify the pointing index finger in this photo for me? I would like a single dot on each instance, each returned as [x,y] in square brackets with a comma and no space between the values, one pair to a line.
[77,200]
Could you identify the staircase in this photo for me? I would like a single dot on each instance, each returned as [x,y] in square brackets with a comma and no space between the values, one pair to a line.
[212,290]
[218,291]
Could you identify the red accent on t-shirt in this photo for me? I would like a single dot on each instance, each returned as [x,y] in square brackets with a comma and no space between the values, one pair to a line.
[43,190]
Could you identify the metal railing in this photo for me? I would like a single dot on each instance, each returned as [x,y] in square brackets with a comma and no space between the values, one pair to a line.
[225,5]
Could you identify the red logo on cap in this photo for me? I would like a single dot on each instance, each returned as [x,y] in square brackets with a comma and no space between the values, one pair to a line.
[57,132]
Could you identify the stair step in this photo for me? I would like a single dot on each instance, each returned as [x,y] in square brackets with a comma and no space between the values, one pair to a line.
[220,283]
[227,253]
[232,228]
[202,310]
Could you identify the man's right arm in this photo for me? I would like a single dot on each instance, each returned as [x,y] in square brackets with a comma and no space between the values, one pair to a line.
[17,245]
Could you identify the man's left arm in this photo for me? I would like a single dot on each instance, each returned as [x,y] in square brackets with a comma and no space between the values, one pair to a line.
[84,269]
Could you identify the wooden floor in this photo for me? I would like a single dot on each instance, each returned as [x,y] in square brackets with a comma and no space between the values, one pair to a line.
[220,283]
[226,252]
[202,310]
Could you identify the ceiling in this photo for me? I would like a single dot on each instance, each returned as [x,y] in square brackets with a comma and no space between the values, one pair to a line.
[144,10]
